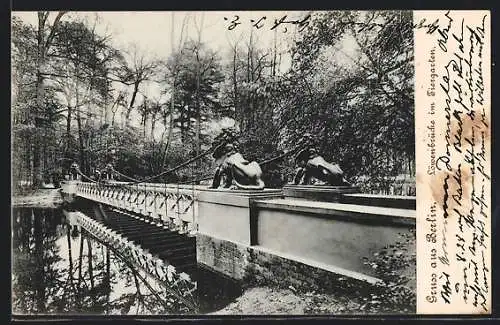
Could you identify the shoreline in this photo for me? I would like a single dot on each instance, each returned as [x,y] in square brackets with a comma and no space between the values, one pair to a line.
[262,300]
[40,198]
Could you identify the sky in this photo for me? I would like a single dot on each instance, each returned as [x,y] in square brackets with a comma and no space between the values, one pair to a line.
[151,30]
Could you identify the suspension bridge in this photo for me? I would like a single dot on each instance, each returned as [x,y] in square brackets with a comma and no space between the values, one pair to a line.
[304,234]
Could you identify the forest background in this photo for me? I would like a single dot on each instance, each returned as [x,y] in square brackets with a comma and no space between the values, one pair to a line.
[156,91]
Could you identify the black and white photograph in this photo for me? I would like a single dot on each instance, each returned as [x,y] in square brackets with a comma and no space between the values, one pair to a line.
[213,163]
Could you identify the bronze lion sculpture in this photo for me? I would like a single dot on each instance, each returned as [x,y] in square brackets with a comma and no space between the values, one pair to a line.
[233,170]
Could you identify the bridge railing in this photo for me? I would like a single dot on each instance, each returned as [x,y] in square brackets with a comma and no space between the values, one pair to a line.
[174,206]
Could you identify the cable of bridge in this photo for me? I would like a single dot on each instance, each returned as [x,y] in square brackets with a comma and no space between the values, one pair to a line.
[185,163]
[171,170]
[85,176]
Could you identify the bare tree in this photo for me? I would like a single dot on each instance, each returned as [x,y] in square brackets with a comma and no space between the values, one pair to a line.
[234,74]
[199,29]
[134,73]
[119,102]
[45,37]
[173,82]
[154,113]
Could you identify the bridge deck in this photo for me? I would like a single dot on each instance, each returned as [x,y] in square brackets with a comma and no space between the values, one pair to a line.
[177,249]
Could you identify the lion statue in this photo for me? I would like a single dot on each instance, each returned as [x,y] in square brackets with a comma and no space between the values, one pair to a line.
[233,171]
[313,169]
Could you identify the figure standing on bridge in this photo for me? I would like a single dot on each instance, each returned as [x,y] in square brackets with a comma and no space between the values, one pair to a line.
[74,171]
[97,174]
[109,172]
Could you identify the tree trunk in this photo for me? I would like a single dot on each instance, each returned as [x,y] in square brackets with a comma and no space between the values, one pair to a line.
[172,99]
[198,108]
[80,132]
[198,113]
[68,131]
[273,72]
[143,124]
[170,127]
[81,141]
[27,163]
[37,171]
[131,105]
[44,155]
[235,87]
[38,139]
[183,131]
[153,125]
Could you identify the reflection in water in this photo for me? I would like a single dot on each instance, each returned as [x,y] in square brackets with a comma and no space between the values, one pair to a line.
[62,269]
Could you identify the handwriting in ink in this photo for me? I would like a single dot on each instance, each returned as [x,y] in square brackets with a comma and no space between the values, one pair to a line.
[445,196]
[463,158]
[485,271]
[481,170]
[446,288]
[458,135]
[445,86]
[481,237]
[431,27]
[478,239]
[444,258]
[469,220]
[443,33]
[477,35]
[470,80]
[303,23]
[480,201]
[256,24]
[458,68]
[457,197]
[482,152]
[460,38]
[483,203]
[460,255]
[470,156]
[235,22]
[260,23]
[465,284]
[479,293]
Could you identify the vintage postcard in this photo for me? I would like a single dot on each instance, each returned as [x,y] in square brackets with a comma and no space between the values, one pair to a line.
[251,163]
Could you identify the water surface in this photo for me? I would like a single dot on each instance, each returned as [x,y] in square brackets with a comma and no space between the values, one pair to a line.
[59,269]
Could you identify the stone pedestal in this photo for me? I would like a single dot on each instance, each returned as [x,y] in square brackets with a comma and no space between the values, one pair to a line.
[324,193]
[228,214]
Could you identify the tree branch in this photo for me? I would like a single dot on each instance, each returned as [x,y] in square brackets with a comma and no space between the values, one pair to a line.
[53,29]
